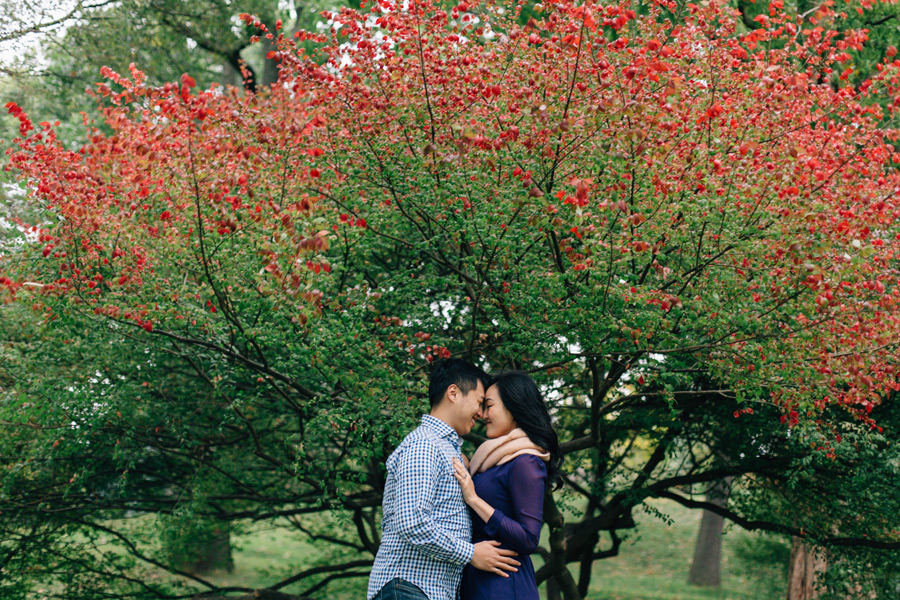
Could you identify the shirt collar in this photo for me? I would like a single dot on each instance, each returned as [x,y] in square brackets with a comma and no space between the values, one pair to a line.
[442,429]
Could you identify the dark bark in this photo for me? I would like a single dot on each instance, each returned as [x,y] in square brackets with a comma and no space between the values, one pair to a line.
[231,71]
[587,561]
[705,567]
[881,21]
[556,567]
[553,590]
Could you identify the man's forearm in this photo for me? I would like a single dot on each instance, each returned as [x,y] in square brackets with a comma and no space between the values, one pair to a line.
[434,541]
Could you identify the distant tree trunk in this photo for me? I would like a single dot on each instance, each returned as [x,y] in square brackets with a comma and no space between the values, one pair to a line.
[235,69]
[231,77]
[203,551]
[705,568]
[215,554]
[805,567]
[270,66]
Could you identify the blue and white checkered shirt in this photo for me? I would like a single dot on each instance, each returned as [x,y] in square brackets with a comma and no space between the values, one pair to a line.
[427,531]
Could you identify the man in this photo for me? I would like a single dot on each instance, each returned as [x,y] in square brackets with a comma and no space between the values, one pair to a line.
[426,527]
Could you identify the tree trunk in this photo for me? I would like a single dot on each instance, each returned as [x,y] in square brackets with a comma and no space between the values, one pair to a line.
[705,567]
[805,567]
[560,579]
[209,551]
[587,562]
[553,589]
[215,554]
[270,66]
[231,77]
[587,555]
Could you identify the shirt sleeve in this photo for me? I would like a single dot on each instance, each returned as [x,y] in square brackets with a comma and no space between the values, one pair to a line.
[418,473]
[521,531]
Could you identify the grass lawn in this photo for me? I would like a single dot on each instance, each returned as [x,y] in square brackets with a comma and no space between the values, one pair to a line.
[652,565]
[265,556]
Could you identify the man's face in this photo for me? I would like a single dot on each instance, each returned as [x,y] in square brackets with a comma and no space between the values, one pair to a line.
[468,408]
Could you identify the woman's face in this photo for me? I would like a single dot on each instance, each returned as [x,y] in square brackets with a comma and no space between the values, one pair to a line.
[496,418]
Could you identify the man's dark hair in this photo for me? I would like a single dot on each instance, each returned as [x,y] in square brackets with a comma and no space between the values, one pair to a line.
[454,371]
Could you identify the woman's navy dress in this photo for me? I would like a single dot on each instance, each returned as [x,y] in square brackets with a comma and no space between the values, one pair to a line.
[516,492]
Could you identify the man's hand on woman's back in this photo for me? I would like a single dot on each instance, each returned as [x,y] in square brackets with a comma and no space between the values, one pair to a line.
[490,557]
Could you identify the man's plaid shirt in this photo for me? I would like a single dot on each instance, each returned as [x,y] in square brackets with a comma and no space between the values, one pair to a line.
[426,525]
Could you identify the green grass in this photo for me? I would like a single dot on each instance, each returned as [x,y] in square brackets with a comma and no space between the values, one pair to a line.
[265,556]
[653,563]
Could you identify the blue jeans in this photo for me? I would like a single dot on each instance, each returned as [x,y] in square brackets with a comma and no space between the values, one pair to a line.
[400,589]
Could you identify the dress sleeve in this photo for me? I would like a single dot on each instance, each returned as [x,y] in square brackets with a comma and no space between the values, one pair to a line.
[418,472]
[521,531]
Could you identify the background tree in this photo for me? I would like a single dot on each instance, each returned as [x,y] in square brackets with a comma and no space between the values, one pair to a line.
[55,52]
[59,47]
[706,564]
[687,238]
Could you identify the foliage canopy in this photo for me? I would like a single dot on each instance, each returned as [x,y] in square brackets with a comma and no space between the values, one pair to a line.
[683,231]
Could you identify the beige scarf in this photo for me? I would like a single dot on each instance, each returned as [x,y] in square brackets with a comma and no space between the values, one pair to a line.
[503,449]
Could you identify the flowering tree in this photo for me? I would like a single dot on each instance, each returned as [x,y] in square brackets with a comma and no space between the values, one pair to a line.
[684,232]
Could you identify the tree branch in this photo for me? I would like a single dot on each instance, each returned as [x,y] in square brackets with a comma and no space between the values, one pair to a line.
[752,525]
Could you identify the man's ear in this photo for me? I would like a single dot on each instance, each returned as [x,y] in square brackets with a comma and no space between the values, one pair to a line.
[453,392]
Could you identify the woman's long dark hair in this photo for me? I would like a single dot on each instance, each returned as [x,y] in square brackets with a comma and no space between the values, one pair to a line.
[523,399]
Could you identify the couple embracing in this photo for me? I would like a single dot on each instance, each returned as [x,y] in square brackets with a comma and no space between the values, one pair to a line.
[455,531]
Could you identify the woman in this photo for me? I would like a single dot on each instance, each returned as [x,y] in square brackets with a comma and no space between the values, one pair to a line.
[505,494]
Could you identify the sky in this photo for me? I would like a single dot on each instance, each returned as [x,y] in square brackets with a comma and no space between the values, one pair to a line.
[18,15]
